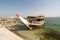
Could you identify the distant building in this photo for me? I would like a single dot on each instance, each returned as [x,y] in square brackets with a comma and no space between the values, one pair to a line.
[9,23]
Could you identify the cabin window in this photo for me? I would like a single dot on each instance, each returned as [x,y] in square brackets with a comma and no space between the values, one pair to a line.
[38,19]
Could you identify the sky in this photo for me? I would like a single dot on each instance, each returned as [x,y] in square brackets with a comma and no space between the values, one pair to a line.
[48,8]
